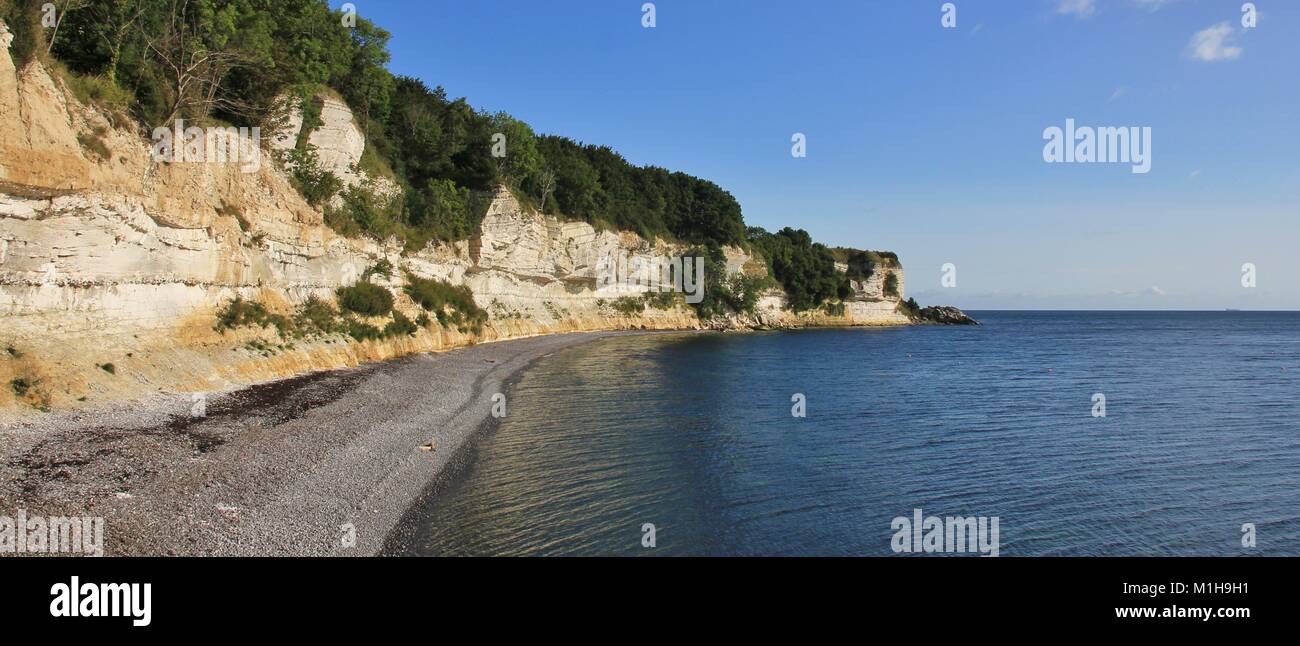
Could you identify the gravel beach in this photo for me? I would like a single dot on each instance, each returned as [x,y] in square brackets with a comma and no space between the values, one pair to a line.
[323,464]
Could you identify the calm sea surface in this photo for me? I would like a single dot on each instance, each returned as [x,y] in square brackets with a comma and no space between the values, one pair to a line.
[694,434]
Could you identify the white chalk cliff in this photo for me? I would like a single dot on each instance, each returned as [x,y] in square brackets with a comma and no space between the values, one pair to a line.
[125,261]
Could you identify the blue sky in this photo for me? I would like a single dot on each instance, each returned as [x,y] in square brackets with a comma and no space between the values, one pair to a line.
[925,140]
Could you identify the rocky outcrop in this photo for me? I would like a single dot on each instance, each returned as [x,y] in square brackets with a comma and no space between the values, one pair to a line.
[112,270]
[338,141]
[533,272]
[872,300]
[945,315]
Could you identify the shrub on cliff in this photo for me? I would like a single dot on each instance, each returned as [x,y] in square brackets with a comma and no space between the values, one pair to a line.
[661,300]
[239,313]
[20,386]
[362,331]
[629,305]
[910,308]
[366,298]
[891,284]
[315,316]
[314,183]
[400,326]
[29,390]
[743,292]
[382,267]
[442,211]
[452,305]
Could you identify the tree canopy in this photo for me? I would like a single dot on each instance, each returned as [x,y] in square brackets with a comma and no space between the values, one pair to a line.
[227,61]
[805,269]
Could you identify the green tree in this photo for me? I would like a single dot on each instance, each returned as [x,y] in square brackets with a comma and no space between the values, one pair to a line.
[805,270]
[523,164]
[367,84]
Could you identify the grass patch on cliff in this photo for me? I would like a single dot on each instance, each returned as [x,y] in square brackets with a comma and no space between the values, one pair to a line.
[374,165]
[442,211]
[359,307]
[637,305]
[241,313]
[862,265]
[94,142]
[99,92]
[661,300]
[860,256]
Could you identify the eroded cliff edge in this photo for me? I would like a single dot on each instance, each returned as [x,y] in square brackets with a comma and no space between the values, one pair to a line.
[113,267]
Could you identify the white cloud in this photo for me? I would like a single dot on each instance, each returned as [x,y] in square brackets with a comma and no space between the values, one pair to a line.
[1214,44]
[1080,8]
[1118,93]
[1155,291]
[1153,5]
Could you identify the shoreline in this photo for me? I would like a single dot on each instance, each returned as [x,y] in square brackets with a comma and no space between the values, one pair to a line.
[149,380]
[399,541]
[293,467]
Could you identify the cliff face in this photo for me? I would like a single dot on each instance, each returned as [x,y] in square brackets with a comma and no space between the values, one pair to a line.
[113,267]
[338,142]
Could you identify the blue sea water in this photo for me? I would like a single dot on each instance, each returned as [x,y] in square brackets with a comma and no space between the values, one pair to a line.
[694,434]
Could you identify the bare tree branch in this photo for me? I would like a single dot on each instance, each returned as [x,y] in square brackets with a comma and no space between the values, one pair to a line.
[197,72]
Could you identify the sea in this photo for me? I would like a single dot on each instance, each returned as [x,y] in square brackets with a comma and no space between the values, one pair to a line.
[1079,433]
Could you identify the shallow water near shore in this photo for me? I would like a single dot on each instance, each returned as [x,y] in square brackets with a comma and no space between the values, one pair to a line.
[694,434]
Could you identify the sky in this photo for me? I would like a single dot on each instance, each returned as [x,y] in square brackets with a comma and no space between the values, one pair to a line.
[927,140]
